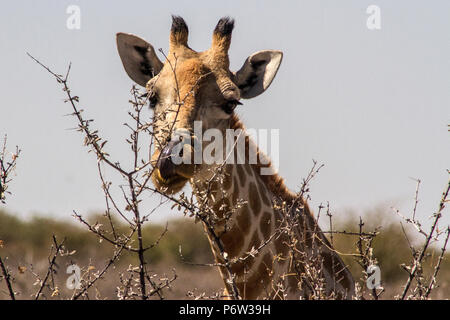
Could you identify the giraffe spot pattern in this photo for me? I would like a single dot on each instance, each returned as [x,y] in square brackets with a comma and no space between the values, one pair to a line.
[282,244]
[255,242]
[293,283]
[265,224]
[254,200]
[243,219]
[222,207]
[235,196]
[233,240]
[265,199]
[242,267]
[258,283]
[241,174]
[249,170]
[227,179]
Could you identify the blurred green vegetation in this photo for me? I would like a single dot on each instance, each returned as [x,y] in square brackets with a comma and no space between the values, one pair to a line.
[28,242]
[33,237]
[391,249]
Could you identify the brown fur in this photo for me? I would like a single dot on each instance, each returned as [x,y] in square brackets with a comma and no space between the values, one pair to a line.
[307,222]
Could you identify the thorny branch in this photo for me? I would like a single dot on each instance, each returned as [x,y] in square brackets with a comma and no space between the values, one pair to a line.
[6,168]
[417,264]
[7,278]
[96,143]
[136,182]
[50,270]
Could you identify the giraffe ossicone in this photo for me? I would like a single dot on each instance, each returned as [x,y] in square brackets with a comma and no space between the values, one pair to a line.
[265,238]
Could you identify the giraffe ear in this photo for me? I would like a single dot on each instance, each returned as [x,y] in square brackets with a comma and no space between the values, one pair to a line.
[257,73]
[138,58]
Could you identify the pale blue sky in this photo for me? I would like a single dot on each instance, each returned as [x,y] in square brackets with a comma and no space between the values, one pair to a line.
[373,106]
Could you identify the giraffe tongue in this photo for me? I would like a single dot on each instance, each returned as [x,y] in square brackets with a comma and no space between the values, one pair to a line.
[167,170]
[165,165]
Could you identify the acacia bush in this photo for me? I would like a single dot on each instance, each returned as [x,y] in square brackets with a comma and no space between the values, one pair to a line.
[27,242]
[123,255]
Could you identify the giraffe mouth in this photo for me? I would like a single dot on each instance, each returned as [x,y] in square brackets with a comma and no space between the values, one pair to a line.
[174,183]
[170,174]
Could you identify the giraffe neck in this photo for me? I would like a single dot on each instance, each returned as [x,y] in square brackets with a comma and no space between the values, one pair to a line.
[245,219]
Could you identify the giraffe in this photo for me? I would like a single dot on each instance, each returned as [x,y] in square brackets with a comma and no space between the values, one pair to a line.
[265,238]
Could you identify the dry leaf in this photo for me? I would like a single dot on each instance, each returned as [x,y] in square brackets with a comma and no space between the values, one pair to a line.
[22,269]
[56,292]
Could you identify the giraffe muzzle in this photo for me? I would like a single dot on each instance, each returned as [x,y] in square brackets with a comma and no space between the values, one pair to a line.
[175,162]
[165,164]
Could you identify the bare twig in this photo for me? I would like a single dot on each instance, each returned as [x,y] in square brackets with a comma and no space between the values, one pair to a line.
[432,283]
[50,269]
[6,167]
[430,235]
[7,278]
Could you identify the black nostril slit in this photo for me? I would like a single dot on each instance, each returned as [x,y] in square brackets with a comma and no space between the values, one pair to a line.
[180,154]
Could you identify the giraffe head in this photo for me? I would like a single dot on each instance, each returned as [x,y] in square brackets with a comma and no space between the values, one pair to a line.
[191,86]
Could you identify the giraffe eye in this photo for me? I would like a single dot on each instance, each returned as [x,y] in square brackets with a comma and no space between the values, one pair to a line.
[230,105]
[153,100]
